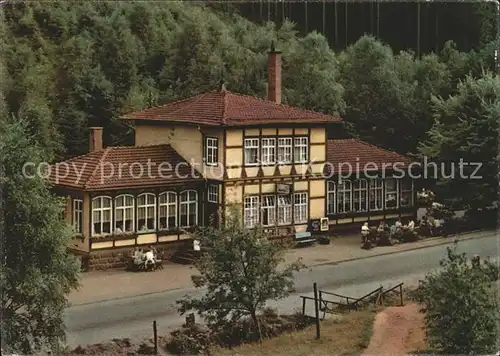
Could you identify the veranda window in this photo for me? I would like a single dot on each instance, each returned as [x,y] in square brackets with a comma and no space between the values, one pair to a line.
[251,211]
[284,150]
[391,193]
[376,188]
[268,150]
[146,212]
[78,216]
[188,206]
[406,193]
[251,151]
[300,203]
[344,196]
[330,197]
[360,195]
[124,214]
[101,216]
[284,210]
[268,210]
[167,203]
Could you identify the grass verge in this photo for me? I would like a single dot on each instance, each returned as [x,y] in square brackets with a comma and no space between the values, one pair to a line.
[348,335]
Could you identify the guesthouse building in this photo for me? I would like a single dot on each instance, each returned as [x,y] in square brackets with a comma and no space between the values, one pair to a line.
[283,167]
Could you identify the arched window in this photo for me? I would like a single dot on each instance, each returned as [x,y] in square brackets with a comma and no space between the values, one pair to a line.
[376,201]
[101,216]
[331,201]
[344,196]
[391,193]
[188,206]
[360,195]
[146,212]
[124,214]
[167,216]
[406,192]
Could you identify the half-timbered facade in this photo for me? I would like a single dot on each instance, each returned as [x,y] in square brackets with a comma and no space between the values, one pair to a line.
[205,154]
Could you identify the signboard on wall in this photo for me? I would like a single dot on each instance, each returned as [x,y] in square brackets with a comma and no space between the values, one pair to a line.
[324,224]
[283,189]
[315,225]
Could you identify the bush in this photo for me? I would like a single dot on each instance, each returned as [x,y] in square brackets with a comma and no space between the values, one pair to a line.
[189,341]
[481,219]
[409,236]
[384,239]
[461,310]
[195,340]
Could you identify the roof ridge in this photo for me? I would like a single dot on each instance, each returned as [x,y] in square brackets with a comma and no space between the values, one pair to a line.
[77,157]
[140,146]
[283,105]
[369,145]
[380,148]
[166,104]
[91,177]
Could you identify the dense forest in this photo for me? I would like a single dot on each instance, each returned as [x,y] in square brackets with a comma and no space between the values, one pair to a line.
[70,65]
[423,27]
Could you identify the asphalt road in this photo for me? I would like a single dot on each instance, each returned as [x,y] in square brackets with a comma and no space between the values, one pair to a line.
[133,317]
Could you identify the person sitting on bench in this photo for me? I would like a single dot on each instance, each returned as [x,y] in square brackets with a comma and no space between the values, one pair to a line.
[365,231]
[149,258]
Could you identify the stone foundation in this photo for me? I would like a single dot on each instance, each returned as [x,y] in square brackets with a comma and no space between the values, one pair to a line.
[116,258]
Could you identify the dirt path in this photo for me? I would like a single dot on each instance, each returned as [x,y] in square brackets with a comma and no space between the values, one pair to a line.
[397,331]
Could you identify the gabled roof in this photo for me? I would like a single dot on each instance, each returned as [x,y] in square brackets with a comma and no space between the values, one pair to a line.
[344,155]
[123,167]
[224,108]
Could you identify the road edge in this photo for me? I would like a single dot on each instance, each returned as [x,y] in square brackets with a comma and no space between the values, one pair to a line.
[445,242]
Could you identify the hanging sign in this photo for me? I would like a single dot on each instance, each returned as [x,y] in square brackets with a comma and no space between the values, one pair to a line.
[283,189]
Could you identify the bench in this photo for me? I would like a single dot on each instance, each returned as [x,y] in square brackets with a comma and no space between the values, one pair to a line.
[304,238]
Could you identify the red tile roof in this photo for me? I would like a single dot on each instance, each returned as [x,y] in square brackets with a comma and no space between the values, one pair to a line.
[123,167]
[225,108]
[344,155]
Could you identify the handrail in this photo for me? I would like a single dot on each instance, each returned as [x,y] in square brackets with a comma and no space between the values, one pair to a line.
[337,295]
[392,289]
[378,290]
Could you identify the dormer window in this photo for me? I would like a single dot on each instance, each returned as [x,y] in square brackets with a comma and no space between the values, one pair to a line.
[211,151]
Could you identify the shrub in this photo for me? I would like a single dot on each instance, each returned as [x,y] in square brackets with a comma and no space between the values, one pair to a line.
[409,236]
[189,341]
[461,311]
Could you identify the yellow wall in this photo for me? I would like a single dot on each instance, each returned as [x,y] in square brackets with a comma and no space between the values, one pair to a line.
[318,135]
[186,140]
[317,188]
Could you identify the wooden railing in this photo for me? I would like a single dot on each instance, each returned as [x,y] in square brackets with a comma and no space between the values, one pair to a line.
[348,303]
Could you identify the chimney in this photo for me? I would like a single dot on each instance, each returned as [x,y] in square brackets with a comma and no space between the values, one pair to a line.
[95,139]
[274,75]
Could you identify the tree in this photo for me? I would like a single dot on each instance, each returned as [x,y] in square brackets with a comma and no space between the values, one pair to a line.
[461,309]
[379,102]
[310,76]
[465,128]
[240,272]
[37,271]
